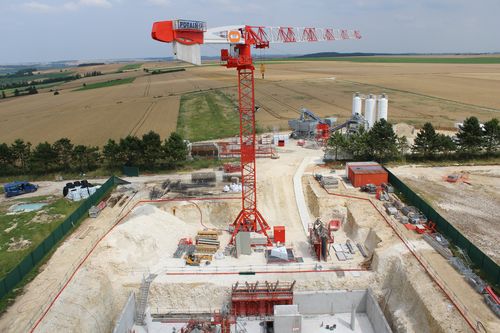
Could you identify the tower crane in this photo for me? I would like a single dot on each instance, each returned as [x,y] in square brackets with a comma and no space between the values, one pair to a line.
[187,36]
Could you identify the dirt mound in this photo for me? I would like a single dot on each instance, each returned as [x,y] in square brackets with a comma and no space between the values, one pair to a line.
[18,244]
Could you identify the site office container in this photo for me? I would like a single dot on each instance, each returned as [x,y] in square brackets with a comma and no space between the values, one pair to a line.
[350,165]
[368,175]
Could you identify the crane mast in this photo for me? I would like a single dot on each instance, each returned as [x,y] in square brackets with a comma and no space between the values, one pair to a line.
[187,36]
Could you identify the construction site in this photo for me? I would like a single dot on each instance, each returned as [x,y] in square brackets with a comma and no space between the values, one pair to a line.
[277,240]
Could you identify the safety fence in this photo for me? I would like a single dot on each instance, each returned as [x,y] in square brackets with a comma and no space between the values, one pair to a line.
[485,264]
[36,256]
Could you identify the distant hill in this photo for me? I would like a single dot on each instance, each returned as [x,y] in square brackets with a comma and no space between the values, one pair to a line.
[369,54]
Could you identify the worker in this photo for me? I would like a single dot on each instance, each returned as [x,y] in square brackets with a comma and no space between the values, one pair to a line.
[173,211]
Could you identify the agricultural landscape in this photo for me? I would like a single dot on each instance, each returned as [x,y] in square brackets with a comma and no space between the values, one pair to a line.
[254,193]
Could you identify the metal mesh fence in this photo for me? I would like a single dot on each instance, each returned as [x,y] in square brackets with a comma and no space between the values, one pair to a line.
[34,257]
[486,265]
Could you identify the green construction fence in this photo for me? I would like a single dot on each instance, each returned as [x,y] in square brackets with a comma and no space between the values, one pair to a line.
[32,259]
[485,264]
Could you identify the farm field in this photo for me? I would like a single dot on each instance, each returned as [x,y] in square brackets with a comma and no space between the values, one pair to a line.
[418,92]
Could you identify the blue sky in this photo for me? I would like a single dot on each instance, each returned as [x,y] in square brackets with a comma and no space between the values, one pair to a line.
[46,30]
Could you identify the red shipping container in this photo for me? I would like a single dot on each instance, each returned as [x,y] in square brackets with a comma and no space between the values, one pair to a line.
[279,234]
[360,176]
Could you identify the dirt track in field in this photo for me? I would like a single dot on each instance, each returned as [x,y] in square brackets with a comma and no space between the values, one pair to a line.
[441,93]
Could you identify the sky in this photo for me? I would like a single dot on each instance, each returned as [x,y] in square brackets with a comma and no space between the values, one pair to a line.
[51,30]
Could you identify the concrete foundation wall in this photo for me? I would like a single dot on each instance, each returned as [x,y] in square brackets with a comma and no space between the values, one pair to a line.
[287,319]
[375,314]
[126,320]
[330,302]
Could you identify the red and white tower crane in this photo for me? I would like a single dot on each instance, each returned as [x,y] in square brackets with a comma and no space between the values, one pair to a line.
[187,36]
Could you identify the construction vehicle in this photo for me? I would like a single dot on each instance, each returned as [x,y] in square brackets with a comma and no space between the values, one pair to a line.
[18,188]
[187,37]
[192,260]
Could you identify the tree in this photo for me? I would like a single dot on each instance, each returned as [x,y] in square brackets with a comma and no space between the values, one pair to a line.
[357,144]
[445,144]
[132,149]
[425,141]
[491,138]
[21,152]
[403,146]
[85,158]
[336,142]
[470,136]
[44,158]
[112,154]
[175,149]
[64,151]
[6,158]
[32,90]
[382,144]
[152,149]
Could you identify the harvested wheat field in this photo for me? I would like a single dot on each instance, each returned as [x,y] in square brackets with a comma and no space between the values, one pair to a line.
[441,93]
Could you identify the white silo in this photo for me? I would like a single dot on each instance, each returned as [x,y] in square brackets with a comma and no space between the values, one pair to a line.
[356,104]
[370,110]
[383,104]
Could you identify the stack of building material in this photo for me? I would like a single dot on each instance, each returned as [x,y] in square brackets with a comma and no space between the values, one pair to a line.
[344,251]
[185,246]
[390,209]
[266,139]
[95,210]
[329,182]
[207,241]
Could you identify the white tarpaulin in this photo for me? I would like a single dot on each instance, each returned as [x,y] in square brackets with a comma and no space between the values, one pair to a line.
[280,252]
[80,193]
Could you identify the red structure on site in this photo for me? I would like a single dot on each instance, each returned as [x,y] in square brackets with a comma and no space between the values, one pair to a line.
[187,35]
[259,299]
[321,237]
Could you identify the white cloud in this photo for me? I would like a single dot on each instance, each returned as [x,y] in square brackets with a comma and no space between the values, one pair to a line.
[38,6]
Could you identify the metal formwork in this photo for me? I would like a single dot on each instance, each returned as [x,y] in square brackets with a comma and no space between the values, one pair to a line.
[254,299]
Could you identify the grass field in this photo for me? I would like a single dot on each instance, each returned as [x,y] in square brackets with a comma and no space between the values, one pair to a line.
[130,67]
[23,225]
[408,60]
[206,116]
[105,84]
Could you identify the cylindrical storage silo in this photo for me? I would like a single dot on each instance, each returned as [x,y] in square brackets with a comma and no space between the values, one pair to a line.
[356,104]
[370,110]
[383,104]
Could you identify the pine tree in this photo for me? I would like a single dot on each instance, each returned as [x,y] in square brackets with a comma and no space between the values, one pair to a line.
[491,139]
[470,136]
[425,141]
[64,150]
[382,141]
[337,142]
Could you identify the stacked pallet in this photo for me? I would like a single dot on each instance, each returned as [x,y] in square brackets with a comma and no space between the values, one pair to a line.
[207,242]
[329,182]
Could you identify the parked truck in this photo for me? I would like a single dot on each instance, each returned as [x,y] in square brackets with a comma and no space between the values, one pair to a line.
[18,187]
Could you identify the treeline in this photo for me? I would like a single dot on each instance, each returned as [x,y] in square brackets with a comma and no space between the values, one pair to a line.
[148,152]
[380,143]
[20,84]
